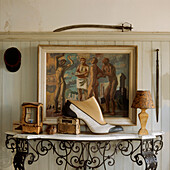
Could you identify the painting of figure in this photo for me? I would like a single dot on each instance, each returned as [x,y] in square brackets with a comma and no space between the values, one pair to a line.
[95,74]
[82,73]
[109,71]
[78,72]
[78,76]
[60,66]
[60,82]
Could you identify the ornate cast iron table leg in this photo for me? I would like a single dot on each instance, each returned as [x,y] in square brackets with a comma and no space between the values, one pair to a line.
[19,160]
[145,151]
[21,148]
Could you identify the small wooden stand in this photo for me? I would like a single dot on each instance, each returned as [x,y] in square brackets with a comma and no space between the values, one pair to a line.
[67,125]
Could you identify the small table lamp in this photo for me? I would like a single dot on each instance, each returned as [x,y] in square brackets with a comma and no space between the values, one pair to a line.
[143,100]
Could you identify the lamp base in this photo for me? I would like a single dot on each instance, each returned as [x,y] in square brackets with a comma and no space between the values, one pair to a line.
[143,132]
[143,117]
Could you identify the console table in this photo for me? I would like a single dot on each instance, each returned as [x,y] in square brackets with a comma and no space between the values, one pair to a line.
[85,151]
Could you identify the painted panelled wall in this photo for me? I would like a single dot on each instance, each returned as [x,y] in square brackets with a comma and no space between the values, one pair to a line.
[16,88]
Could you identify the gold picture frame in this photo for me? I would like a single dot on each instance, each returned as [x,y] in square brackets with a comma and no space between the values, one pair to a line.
[115,84]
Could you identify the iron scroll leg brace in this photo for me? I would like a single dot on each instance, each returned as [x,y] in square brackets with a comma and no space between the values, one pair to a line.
[21,154]
[150,149]
[20,147]
[149,157]
[19,160]
[144,152]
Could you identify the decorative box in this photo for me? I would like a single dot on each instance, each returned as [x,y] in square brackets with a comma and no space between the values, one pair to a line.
[32,117]
[68,125]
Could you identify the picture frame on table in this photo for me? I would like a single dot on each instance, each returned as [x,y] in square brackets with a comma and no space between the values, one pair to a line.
[78,72]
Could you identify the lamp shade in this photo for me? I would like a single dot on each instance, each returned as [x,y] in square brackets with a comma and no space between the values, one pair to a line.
[143,100]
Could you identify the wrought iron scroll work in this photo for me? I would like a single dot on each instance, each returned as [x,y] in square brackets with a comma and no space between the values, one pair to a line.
[144,151]
[85,154]
[20,146]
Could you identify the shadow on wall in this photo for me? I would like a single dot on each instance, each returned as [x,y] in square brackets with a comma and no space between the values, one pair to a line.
[1,59]
[166,86]
[5,157]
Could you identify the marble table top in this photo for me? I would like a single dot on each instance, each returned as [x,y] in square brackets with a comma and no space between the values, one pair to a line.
[86,136]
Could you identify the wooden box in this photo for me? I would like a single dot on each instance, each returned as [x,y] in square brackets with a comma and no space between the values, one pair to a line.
[17,126]
[67,125]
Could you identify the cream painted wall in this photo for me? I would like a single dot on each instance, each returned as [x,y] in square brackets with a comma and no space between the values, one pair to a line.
[43,15]
[16,88]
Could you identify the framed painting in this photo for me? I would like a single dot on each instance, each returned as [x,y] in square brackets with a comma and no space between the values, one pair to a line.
[78,72]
